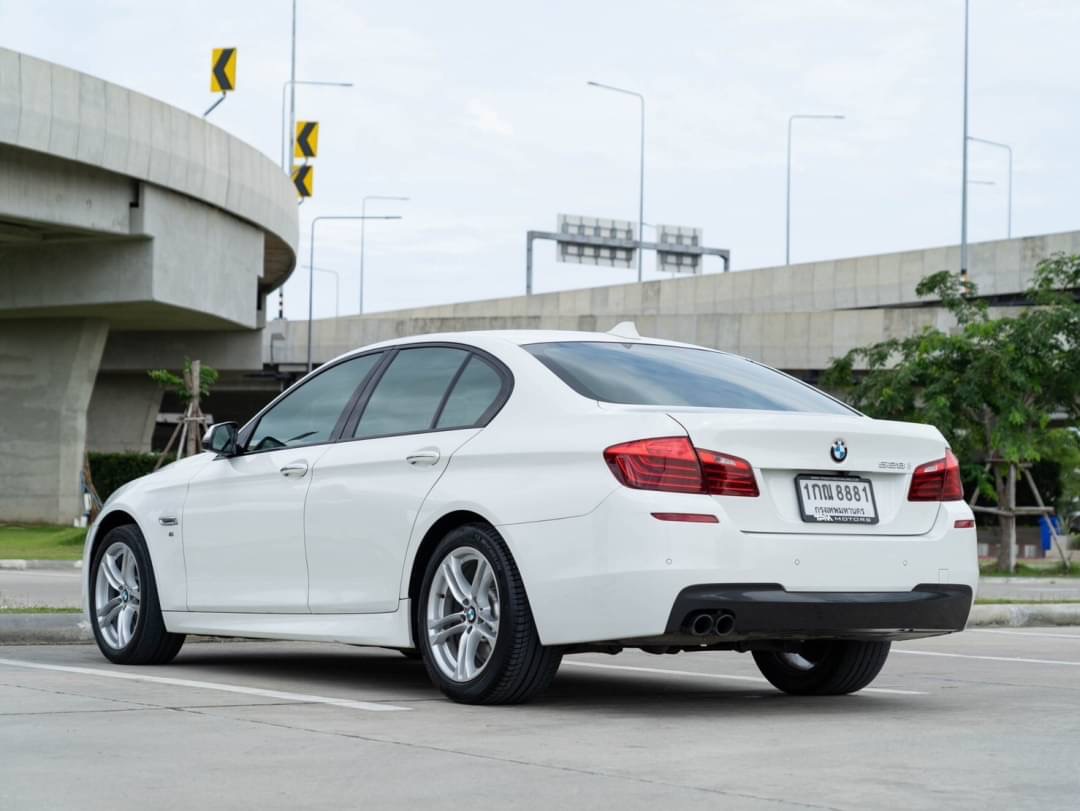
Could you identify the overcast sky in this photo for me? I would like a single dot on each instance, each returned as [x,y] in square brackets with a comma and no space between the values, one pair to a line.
[480,113]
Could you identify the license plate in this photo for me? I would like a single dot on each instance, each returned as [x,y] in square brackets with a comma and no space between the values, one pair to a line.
[836,500]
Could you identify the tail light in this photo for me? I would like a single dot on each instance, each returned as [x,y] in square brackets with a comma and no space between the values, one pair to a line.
[937,481]
[674,465]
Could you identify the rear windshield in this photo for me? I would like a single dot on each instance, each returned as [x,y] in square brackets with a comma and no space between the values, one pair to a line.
[651,374]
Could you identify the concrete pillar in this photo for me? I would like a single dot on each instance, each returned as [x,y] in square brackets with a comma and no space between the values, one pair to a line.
[123,412]
[47,371]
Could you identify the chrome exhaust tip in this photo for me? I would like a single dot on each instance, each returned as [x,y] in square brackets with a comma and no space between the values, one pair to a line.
[701,624]
[725,624]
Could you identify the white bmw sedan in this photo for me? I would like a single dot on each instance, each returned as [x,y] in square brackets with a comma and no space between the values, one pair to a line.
[489,501]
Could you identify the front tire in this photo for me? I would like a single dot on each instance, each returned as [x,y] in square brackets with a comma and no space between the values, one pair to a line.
[474,628]
[124,610]
[826,667]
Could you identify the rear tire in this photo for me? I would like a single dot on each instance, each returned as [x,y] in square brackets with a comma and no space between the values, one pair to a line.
[474,628]
[828,667]
[125,614]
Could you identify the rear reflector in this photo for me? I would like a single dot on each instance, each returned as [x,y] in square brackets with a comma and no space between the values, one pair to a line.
[937,481]
[674,465]
[689,518]
[964,523]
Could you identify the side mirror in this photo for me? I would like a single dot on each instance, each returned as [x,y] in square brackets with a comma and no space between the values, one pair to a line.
[221,438]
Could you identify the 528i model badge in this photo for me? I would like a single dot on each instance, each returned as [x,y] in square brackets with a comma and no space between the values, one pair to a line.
[838,451]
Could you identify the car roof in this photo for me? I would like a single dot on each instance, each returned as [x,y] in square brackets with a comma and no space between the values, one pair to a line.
[521,337]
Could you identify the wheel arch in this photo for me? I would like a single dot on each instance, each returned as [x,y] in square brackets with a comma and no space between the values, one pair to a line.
[435,533]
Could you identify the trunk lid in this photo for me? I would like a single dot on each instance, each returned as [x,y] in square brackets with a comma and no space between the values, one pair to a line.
[783,445]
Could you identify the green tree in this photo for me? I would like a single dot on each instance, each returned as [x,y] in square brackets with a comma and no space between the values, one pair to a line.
[993,385]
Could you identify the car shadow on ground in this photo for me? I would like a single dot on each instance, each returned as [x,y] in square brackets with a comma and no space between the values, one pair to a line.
[369,674]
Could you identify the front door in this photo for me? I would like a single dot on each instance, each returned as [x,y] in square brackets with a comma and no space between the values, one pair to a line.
[243,519]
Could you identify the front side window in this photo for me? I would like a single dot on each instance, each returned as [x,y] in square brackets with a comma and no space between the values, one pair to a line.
[407,397]
[308,415]
[655,374]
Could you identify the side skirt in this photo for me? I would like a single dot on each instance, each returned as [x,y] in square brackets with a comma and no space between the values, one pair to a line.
[390,629]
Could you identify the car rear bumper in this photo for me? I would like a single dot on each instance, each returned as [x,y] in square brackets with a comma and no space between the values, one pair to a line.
[769,611]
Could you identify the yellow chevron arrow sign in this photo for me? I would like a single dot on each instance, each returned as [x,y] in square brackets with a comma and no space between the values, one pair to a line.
[307,139]
[223,70]
[303,177]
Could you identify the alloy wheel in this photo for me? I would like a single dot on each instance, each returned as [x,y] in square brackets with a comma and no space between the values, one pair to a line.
[463,614]
[117,595]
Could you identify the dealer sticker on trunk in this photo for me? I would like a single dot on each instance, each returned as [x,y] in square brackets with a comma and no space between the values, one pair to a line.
[836,499]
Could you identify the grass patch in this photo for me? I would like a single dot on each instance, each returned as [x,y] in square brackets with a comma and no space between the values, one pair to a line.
[41,542]
[40,609]
[1050,569]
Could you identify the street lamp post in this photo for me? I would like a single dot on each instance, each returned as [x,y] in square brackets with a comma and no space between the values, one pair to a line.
[287,160]
[363,222]
[337,288]
[964,163]
[641,174]
[311,265]
[787,221]
[1008,149]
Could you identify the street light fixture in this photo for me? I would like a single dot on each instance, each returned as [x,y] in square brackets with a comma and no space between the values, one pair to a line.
[1007,148]
[311,264]
[287,158]
[787,226]
[964,163]
[641,176]
[363,222]
[337,288]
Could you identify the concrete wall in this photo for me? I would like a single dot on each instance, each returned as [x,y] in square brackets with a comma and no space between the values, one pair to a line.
[798,317]
[47,371]
[60,112]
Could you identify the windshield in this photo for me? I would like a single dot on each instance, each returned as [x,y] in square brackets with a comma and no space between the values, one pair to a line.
[653,374]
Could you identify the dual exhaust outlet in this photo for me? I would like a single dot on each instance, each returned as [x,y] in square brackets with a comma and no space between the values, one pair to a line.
[709,623]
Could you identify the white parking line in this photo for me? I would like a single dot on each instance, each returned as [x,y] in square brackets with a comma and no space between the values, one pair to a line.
[724,676]
[302,698]
[1020,659]
[1024,633]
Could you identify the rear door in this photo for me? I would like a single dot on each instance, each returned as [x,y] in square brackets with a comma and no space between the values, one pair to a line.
[367,489]
[792,452]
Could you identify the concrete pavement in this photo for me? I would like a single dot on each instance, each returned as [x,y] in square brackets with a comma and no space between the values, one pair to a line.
[981,719]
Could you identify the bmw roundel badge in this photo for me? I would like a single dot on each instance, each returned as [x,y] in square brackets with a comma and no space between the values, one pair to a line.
[838,451]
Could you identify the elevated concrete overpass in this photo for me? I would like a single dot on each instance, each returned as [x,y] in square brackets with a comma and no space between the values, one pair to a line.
[132,234]
[796,318]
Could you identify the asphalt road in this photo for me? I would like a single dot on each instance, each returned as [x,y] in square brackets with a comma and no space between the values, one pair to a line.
[984,719]
[40,587]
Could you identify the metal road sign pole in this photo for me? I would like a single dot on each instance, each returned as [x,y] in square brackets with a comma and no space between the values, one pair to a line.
[787,217]
[292,89]
[311,264]
[608,242]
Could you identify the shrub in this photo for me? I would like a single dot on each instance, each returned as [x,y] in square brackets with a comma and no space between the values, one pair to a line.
[112,470]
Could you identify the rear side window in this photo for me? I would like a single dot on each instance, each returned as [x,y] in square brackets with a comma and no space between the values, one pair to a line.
[308,415]
[407,397]
[476,390]
[653,374]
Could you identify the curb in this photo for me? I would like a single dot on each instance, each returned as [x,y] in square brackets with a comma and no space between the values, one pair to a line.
[1025,615]
[22,565]
[44,629]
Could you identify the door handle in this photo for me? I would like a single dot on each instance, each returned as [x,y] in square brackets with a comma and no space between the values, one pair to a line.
[295,470]
[427,456]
